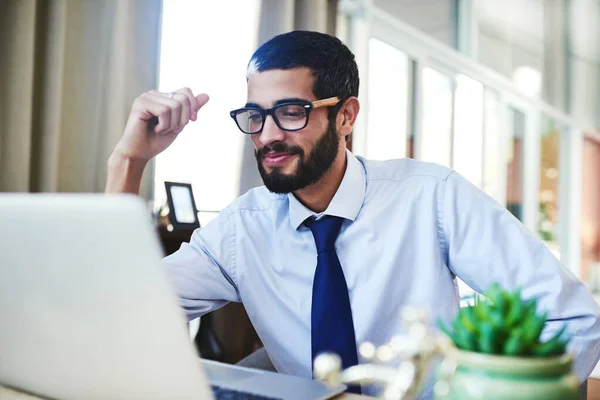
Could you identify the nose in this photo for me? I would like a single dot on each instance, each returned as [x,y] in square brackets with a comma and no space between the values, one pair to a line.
[271,132]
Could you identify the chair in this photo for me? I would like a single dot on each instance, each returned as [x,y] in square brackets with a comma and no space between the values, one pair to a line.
[583,389]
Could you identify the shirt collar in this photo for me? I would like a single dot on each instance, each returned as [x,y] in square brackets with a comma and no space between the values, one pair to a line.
[346,202]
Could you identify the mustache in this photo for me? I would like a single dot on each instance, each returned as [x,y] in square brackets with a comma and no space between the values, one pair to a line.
[278,148]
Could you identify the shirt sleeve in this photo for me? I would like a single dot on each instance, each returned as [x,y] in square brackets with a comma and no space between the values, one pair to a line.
[203,270]
[485,244]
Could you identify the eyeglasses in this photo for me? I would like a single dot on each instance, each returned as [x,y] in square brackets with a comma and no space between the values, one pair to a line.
[289,116]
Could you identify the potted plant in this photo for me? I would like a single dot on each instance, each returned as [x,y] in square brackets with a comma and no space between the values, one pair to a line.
[500,354]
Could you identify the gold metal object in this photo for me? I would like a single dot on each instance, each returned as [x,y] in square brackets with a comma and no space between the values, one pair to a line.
[412,352]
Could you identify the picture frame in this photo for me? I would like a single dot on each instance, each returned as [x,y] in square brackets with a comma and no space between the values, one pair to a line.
[183,213]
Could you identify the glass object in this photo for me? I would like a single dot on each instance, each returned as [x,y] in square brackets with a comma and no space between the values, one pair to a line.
[436,133]
[387,108]
[590,214]
[514,164]
[492,141]
[549,188]
[467,153]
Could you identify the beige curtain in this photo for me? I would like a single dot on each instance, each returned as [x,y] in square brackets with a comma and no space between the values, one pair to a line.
[279,16]
[70,70]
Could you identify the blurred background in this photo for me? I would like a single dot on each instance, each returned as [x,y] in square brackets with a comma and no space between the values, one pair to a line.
[507,92]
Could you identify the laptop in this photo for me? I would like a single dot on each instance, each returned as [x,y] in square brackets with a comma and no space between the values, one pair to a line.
[87,310]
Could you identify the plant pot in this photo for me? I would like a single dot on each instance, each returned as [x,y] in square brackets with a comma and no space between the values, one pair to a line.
[493,377]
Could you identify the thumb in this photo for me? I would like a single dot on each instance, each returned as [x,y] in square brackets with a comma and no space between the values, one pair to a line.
[202,99]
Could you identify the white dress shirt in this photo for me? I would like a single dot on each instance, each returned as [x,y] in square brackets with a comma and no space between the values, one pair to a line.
[411,228]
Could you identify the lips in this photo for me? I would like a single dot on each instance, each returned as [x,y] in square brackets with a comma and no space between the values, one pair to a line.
[274,158]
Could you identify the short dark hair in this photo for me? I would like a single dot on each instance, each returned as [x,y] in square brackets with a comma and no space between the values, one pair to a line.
[332,63]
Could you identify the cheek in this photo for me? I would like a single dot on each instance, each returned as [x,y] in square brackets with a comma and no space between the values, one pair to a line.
[255,141]
[303,139]
[318,122]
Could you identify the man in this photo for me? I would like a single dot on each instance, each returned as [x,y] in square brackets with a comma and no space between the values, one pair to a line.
[334,246]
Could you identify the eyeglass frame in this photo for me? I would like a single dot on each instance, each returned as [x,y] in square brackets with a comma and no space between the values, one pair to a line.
[308,107]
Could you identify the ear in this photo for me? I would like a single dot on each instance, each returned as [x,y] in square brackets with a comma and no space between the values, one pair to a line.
[346,117]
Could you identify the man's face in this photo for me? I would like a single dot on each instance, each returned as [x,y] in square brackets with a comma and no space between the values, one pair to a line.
[291,160]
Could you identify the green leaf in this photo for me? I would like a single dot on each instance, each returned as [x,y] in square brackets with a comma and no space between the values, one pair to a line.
[534,327]
[493,290]
[482,311]
[549,349]
[495,294]
[531,306]
[468,319]
[553,346]
[559,334]
[465,339]
[516,313]
[515,345]
[503,323]
[489,339]
[496,318]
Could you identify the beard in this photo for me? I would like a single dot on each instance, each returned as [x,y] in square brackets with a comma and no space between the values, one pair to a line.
[308,170]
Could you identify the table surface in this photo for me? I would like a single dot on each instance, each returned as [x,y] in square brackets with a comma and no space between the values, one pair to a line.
[8,394]
[350,396]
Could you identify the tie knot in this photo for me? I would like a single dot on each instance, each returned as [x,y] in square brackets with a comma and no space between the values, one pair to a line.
[325,231]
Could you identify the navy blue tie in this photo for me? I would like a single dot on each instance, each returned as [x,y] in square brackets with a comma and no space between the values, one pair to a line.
[332,328]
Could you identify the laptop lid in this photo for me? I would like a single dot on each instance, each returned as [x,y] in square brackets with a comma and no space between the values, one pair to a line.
[87,311]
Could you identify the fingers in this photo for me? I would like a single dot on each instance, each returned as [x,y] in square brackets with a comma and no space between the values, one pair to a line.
[185,110]
[166,124]
[190,105]
[201,100]
[149,109]
[174,110]
[195,102]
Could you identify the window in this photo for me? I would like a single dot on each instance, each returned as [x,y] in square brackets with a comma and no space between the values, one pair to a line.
[493,141]
[467,154]
[549,189]
[387,108]
[433,17]
[590,214]
[208,152]
[436,134]
[514,162]
[526,42]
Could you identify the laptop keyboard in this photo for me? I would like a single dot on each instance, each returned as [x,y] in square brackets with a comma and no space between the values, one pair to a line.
[229,394]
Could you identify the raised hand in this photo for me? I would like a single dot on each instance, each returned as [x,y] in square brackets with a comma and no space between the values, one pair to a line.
[155,121]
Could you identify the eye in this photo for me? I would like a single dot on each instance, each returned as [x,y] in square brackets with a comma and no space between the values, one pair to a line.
[291,112]
[254,116]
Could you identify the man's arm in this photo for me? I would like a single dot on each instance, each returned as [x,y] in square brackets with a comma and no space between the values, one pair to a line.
[201,271]
[155,121]
[486,244]
[124,174]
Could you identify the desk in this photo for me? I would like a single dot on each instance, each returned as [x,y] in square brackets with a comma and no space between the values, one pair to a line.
[8,394]
[593,389]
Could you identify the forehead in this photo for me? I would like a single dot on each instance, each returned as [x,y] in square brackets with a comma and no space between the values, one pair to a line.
[265,88]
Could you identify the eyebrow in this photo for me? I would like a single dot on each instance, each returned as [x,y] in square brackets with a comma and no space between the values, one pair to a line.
[281,101]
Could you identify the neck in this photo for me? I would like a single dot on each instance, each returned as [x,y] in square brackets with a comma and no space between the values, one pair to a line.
[317,196]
